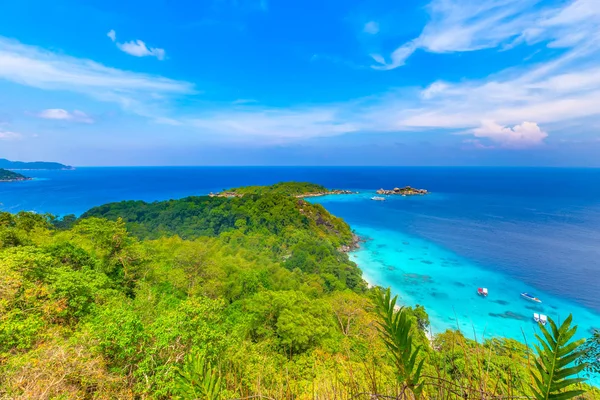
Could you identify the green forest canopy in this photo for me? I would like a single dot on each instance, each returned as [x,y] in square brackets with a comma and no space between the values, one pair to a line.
[215,298]
[287,188]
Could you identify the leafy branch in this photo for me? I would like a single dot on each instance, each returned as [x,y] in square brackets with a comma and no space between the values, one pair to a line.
[395,329]
[554,366]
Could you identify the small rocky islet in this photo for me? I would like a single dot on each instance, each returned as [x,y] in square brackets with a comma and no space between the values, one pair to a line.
[405,191]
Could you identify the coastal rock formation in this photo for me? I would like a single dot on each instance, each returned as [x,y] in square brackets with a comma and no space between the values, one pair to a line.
[406,191]
[354,245]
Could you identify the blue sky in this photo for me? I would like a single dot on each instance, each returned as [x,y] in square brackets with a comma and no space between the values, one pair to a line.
[268,82]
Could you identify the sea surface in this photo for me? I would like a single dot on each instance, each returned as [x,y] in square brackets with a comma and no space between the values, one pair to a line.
[511,230]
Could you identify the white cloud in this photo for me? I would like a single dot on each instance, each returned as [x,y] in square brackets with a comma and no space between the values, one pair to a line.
[398,57]
[466,25]
[8,135]
[434,89]
[561,90]
[135,92]
[371,28]
[523,135]
[137,48]
[60,114]
[297,123]
[544,93]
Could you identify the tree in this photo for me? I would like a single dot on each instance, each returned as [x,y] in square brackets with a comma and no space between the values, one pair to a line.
[591,353]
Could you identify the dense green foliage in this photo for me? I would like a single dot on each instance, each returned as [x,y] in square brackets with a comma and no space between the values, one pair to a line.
[287,188]
[6,175]
[591,353]
[124,307]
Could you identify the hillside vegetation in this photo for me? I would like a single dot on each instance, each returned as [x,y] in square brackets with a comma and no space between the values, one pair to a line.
[215,298]
[288,188]
[4,163]
[9,176]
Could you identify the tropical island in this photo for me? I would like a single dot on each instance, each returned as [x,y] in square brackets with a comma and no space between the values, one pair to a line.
[237,297]
[10,176]
[7,164]
[405,191]
[296,189]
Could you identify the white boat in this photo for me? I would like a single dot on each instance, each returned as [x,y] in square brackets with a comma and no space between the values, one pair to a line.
[482,292]
[378,198]
[530,297]
[536,317]
[543,319]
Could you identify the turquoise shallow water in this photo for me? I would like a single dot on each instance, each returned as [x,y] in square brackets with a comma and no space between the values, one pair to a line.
[423,272]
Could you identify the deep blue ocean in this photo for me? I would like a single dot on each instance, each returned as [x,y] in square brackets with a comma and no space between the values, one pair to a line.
[508,229]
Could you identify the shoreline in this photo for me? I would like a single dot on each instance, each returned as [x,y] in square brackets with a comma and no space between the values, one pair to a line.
[370,285]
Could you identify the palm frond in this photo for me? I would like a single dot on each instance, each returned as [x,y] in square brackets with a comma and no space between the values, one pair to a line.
[197,379]
[395,328]
[554,368]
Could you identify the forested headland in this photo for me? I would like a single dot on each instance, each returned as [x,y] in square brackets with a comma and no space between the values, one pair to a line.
[7,164]
[231,298]
[10,176]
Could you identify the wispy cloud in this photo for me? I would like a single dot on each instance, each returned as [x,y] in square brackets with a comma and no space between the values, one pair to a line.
[8,135]
[39,68]
[64,115]
[518,107]
[137,48]
[465,25]
[243,101]
[299,123]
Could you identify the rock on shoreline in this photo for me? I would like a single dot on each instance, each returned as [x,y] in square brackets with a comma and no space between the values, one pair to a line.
[354,245]
[405,191]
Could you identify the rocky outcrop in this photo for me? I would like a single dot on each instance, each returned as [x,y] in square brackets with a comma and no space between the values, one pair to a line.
[406,191]
[354,245]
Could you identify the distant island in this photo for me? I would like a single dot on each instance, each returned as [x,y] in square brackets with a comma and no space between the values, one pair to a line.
[297,189]
[405,191]
[7,164]
[10,176]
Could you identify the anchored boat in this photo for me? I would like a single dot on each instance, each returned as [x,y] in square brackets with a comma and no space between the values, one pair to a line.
[530,297]
[482,292]
[378,198]
[540,318]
